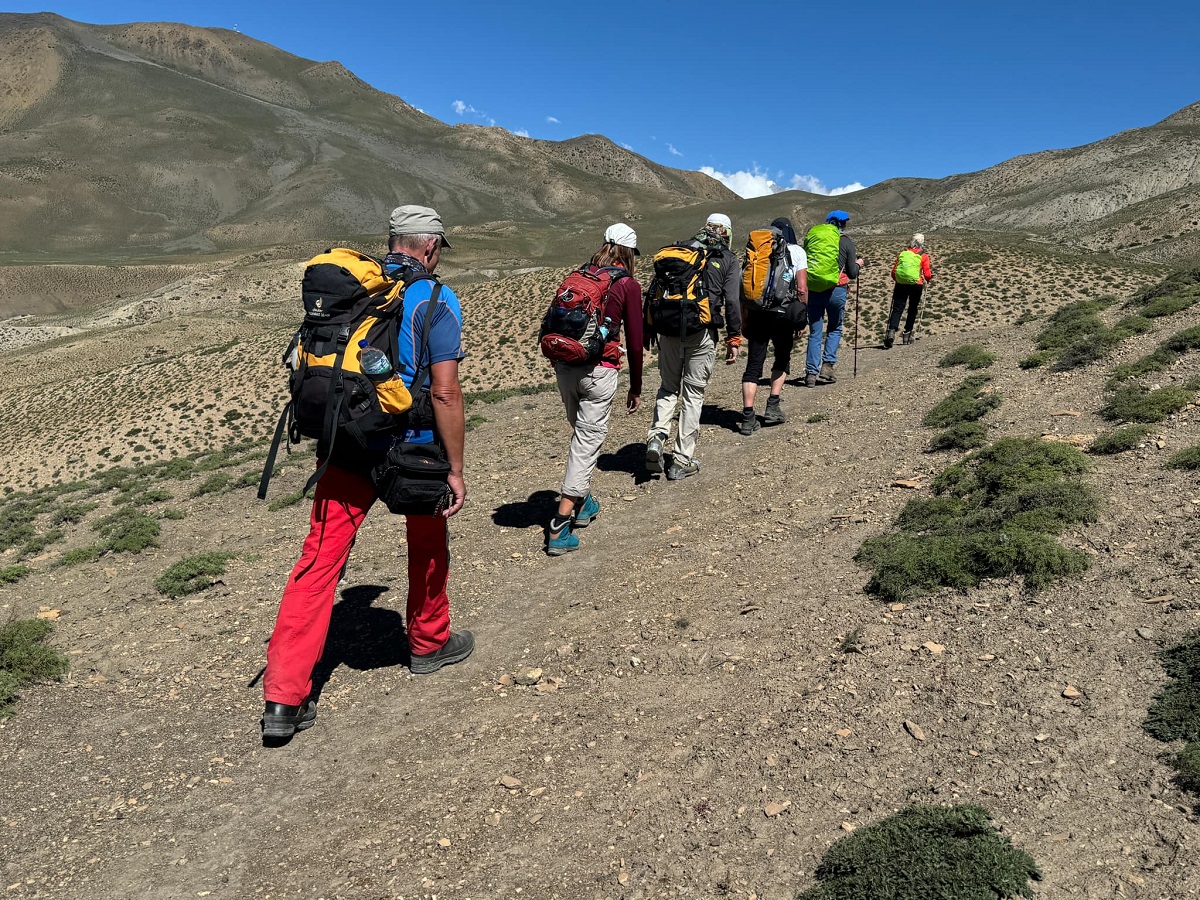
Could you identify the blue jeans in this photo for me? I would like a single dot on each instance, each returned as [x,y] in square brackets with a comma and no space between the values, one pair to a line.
[822,344]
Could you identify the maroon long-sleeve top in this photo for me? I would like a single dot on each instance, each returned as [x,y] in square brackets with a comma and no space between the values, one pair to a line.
[624,307]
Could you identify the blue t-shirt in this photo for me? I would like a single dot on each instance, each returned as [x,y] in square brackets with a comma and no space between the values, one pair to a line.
[445,337]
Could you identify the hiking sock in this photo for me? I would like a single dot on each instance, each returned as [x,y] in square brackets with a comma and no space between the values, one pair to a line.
[559,525]
[747,410]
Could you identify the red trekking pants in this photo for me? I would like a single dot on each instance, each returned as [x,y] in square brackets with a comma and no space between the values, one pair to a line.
[340,505]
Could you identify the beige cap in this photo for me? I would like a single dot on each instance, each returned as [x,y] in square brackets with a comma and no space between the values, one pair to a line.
[623,236]
[417,220]
[918,240]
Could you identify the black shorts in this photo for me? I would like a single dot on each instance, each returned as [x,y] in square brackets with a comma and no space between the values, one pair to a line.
[761,328]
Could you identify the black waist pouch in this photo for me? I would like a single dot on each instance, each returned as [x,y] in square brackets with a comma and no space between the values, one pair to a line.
[412,479]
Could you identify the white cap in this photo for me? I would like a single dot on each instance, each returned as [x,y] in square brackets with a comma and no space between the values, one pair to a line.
[623,236]
[918,240]
[720,219]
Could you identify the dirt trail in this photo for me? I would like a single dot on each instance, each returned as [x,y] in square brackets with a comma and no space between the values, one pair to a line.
[699,635]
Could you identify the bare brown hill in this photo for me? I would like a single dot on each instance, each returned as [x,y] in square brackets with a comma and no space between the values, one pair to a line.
[169,137]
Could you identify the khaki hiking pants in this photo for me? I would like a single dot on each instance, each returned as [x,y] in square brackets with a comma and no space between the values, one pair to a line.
[587,394]
[685,365]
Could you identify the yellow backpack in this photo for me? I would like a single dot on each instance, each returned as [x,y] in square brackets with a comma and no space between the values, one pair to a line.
[677,300]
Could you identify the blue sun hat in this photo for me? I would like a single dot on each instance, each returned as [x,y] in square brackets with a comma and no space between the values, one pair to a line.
[839,217]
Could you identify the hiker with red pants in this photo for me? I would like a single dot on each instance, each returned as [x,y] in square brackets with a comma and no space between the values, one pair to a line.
[607,290]
[911,271]
[345,493]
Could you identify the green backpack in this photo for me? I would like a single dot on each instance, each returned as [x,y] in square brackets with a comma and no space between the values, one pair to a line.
[822,245]
[908,267]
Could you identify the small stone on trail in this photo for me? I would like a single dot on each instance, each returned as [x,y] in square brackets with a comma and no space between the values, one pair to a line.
[906,483]
[629,498]
[1165,598]
[986,657]
[897,607]
[510,782]
[1071,692]
[506,680]
[915,730]
[772,760]
[844,732]
[776,808]
[1145,634]
[516,556]
[1040,738]
[848,826]
[493,820]
[535,818]
[623,877]
[530,678]
[1067,412]
[444,843]
[45,612]
[933,648]
[749,609]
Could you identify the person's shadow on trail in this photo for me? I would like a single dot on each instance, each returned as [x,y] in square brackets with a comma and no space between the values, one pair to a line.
[361,636]
[631,459]
[729,419]
[526,513]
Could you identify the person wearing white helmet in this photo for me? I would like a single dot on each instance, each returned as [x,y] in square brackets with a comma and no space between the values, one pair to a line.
[685,361]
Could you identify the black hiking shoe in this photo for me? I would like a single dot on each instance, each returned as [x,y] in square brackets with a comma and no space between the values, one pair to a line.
[457,648]
[826,376]
[654,454]
[907,337]
[677,471]
[280,721]
[774,414]
[749,422]
[810,379]
[889,339]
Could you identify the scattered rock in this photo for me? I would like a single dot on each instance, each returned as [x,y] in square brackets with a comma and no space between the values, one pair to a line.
[933,648]
[45,612]
[510,782]
[1071,692]
[506,680]
[444,843]
[535,818]
[749,609]
[529,678]
[776,808]
[629,498]
[1145,634]
[493,820]
[907,484]
[516,556]
[897,607]
[844,732]
[986,657]
[622,877]
[848,826]
[1165,598]
[917,732]
[1067,412]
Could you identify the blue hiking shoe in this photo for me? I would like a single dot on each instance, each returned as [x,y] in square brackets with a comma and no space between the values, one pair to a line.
[588,511]
[560,539]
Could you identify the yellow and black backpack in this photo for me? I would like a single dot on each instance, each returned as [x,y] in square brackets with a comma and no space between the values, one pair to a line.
[347,299]
[677,301]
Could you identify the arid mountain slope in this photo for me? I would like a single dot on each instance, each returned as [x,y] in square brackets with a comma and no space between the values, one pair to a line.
[171,137]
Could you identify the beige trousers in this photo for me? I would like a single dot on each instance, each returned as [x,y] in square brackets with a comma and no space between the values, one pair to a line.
[685,365]
[587,395]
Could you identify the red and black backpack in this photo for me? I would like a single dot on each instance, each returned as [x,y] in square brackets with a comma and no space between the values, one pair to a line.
[574,330]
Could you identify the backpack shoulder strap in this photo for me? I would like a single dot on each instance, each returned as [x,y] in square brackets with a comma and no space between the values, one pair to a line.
[420,363]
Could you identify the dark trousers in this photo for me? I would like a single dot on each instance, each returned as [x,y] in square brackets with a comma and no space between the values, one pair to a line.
[761,329]
[903,294]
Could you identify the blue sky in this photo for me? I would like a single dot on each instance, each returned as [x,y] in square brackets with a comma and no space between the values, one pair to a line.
[812,95]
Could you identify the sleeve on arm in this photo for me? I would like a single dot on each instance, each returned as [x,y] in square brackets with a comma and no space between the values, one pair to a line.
[631,312]
[926,267]
[849,257]
[445,337]
[733,293]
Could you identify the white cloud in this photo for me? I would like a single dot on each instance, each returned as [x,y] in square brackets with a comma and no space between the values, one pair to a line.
[521,133]
[671,149]
[462,107]
[491,122]
[552,120]
[627,147]
[757,183]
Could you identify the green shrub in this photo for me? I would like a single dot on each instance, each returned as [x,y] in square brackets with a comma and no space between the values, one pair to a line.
[285,501]
[1175,713]
[925,853]
[1120,440]
[963,436]
[1070,323]
[970,355]
[128,530]
[1185,459]
[25,658]
[966,403]
[817,418]
[1036,359]
[213,484]
[40,542]
[80,555]
[192,574]
[1087,349]
[1135,403]
[993,515]
[1174,293]
[71,513]
[13,574]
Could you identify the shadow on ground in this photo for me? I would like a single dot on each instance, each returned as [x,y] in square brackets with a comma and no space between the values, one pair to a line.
[361,636]
[526,513]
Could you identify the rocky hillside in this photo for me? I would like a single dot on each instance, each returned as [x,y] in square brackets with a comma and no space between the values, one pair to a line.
[168,137]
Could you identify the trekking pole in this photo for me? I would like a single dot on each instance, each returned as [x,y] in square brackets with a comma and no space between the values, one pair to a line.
[856,283]
[921,310]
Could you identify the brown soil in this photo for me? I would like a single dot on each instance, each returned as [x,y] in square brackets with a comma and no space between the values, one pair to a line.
[700,636]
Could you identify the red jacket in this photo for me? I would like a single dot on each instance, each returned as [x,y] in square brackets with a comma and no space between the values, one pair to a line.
[624,305]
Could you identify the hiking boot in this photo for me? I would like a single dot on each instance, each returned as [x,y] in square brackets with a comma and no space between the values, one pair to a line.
[907,337]
[457,648]
[826,376]
[889,339]
[774,414]
[810,379]
[749,423]
[586,512]
[677,471]
[282,721]
[560,539]
[654,454]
